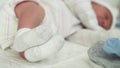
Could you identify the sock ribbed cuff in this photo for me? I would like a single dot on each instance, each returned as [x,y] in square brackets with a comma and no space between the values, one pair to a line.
[22,30]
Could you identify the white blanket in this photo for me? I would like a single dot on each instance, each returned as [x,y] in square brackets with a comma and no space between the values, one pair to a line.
[71,56]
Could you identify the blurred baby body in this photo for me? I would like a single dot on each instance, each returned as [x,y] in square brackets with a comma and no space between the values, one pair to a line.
[37,42]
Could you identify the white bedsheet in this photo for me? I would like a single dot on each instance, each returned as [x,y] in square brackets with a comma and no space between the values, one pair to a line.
[89,37]
[71,56]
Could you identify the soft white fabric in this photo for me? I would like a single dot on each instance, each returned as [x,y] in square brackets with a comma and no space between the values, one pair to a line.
[1,3]
[46,50]
[56,13]
[8,25]
[83,9]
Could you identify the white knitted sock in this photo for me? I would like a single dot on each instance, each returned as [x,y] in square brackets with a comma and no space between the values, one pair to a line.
[27,38]
[44,51]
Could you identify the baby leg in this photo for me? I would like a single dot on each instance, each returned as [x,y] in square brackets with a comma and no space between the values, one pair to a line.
[30,15]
